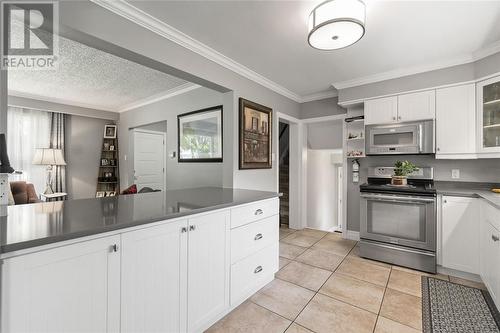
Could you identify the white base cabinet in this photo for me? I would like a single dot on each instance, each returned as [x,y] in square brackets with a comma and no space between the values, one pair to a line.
[490,250]
[460,234]
[74,288]
[171,276]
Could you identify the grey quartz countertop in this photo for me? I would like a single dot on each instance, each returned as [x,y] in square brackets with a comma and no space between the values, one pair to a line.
[27,226]
[469,189]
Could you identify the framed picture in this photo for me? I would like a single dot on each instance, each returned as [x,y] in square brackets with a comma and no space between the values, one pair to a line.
[110,131]
[110,193]
[100,194]
[111,147]
[200,135]
[255,135]
[104,162]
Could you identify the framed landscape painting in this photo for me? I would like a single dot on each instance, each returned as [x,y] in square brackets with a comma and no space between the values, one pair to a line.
[200,135]
[255,135]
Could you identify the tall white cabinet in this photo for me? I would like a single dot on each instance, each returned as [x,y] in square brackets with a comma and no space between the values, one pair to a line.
[74,288]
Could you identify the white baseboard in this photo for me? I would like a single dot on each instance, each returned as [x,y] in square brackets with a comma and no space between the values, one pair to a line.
[460,274]
[350,234]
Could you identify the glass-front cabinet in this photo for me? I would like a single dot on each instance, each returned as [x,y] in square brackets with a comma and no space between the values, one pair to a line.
[488,93]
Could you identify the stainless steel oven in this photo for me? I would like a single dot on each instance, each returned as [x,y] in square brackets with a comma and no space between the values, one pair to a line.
[398,223]
[403,138]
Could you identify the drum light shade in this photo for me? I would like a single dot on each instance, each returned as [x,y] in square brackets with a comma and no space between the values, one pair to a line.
[335,24]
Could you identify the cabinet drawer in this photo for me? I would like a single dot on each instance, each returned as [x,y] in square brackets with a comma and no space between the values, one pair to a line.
[249,275]
[253,237]
[253,212]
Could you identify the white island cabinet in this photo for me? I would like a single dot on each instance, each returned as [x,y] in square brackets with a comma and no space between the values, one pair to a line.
[490,250]
[167,276]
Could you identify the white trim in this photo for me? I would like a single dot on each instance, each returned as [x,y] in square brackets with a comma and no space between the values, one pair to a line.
[397,73]
[350,234]
[58,100]
[319,96]
[134,14]
[325,118]
[184,88]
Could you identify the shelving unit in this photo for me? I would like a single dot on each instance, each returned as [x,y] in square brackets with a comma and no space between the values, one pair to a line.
[355,137]
[108,180]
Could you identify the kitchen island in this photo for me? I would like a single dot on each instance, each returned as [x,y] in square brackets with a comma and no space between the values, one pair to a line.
[173,261]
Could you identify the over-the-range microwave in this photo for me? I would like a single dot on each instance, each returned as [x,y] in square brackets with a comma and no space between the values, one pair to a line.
[402,138]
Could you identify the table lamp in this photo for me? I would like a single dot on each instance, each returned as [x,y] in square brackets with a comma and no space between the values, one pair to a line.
[48,157]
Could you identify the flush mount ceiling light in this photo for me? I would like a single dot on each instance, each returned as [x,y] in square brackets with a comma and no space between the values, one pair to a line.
[335,24]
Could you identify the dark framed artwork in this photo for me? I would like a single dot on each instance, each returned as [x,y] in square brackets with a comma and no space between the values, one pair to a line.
[255,135]
[199,135]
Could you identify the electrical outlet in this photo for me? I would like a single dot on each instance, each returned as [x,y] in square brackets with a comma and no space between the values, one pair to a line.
[455,173]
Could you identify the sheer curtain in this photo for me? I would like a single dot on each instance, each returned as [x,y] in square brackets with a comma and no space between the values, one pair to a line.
[27,130]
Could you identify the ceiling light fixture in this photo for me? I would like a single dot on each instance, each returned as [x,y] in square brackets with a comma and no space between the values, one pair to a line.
[335,24]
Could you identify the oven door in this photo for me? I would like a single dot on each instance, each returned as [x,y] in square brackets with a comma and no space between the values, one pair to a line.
[393,139]
[399,219]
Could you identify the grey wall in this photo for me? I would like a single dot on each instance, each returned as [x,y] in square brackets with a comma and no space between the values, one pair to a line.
[100,23]
[325,135]
[31,103]
[179,175]
[487,66]
[321,108]
[84,139]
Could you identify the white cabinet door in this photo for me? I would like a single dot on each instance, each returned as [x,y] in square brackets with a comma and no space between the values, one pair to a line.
[74,288]
[456,120]
[208,268]
[154,274]
[488,107]
[381,110]
[490,250]
[459,227]
[417,106]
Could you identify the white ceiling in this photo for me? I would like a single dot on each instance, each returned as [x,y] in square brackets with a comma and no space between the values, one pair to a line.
[91,78]
[270,37]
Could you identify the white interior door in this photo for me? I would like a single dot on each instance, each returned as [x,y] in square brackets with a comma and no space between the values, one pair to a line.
[149,159]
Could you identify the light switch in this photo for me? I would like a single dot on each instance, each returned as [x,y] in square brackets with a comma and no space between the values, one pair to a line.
[455,173]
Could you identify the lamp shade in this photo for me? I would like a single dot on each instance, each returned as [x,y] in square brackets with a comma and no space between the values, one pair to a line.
[335,24]
[4,158]
[48,156]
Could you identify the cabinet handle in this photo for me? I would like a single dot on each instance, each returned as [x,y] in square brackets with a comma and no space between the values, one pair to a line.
[393,118]
[258,236]
[184,229]
[192,228]
[495,238]
[114,248]
[258,269]
[445,201]
[259,212]
[438,149]
[399,118]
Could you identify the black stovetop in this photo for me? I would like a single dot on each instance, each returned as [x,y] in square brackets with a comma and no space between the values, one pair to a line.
[414,187]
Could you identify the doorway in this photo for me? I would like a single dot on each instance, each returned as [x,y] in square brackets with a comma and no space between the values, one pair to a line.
[149,159]
[284,173]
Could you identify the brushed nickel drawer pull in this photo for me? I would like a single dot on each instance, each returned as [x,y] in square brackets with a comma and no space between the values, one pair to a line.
[258,236]
[192,227]
[184,229]
[258,269]
[259,212]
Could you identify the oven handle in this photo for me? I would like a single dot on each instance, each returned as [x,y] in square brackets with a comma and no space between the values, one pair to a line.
[396,198]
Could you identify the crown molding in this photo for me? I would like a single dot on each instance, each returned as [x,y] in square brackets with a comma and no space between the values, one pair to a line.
[134,14]
[182,89]
[394,74]
[319,96]
[58,100]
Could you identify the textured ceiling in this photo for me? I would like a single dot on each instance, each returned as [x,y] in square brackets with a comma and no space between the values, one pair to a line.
[92,78]
[270,37]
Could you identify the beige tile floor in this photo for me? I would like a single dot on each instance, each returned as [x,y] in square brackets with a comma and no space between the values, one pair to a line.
[324,286]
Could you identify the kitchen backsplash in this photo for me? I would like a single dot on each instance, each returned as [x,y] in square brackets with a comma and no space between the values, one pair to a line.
[479,170]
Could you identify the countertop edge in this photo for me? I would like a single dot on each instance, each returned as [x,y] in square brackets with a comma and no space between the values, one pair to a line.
[490,197]
[31,244]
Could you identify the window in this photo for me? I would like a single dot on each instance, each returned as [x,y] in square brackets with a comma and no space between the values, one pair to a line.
[27,130]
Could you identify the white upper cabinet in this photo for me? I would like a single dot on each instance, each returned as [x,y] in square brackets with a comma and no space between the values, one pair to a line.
[381,110]
[74,288]
[456,114]
[154,273]
[417,106]
[459,227]
[488,101]
[208,268]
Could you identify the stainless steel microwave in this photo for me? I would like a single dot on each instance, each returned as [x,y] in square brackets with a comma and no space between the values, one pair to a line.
[402,138]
